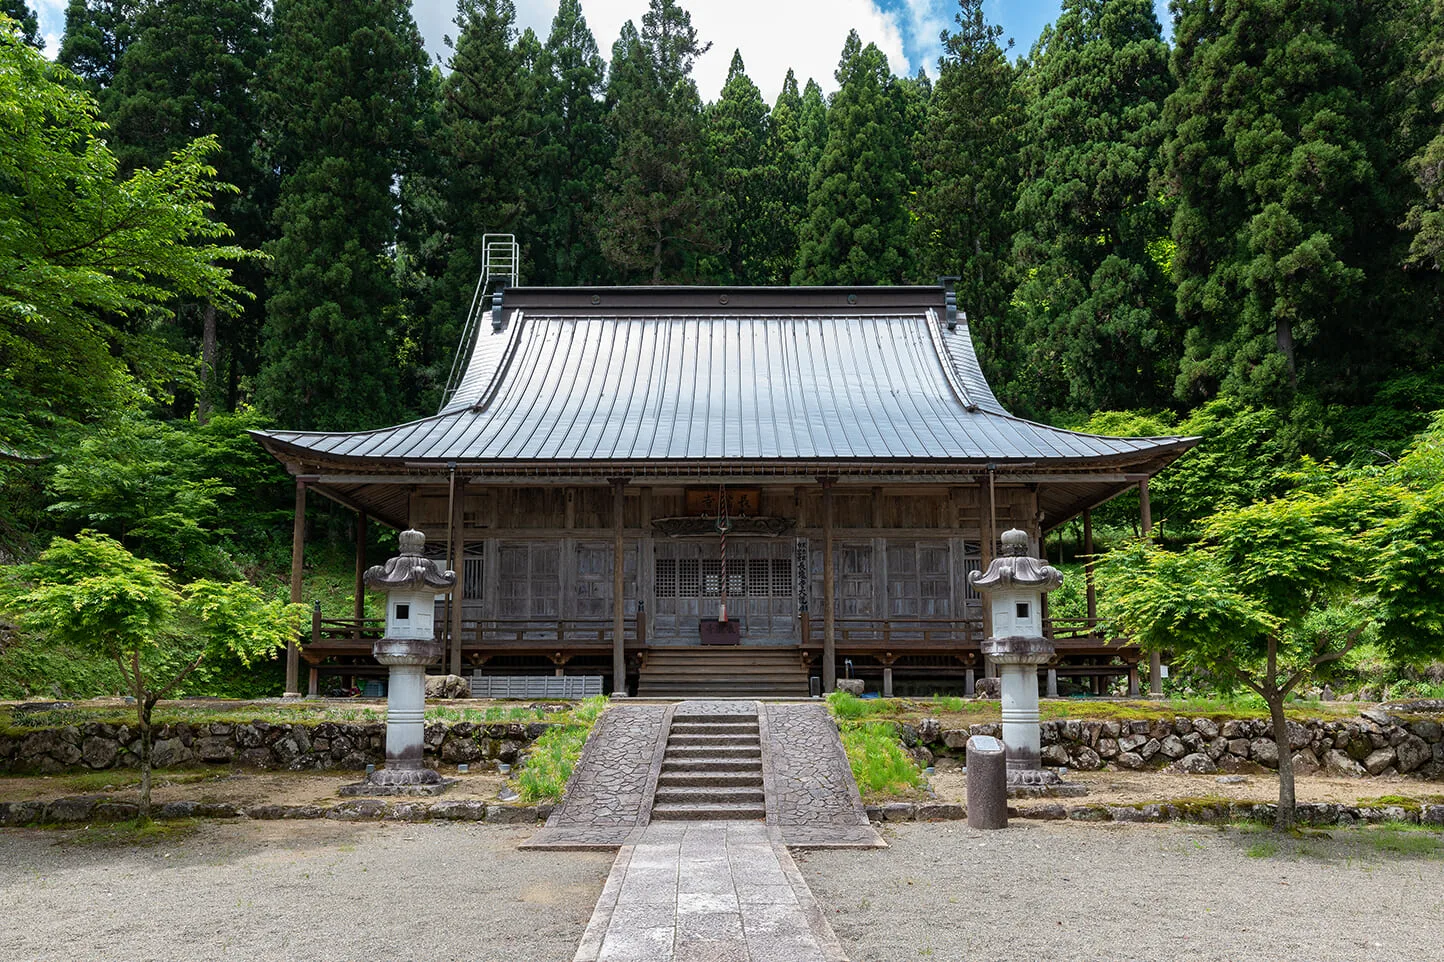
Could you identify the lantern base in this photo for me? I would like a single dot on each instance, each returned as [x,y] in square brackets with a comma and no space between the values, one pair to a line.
[1040,783]
[392,781]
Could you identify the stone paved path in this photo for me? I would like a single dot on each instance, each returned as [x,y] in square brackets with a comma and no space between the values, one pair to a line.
[609,795]
[707,892]
[812,800]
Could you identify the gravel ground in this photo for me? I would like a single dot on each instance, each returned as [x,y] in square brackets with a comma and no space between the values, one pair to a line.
[314,891]
[1061,891]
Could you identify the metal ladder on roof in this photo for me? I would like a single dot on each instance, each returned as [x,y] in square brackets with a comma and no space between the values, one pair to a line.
[500,269]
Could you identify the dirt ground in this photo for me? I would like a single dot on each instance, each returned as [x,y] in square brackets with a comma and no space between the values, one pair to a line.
[294,891]
[1133,788]
[241,788]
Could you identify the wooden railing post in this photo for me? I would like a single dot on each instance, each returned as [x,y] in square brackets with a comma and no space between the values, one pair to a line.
[829,592]
[358,603]
[619,650]
[298,548]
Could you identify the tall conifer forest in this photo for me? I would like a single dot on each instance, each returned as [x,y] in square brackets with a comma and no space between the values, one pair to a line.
[1233,229]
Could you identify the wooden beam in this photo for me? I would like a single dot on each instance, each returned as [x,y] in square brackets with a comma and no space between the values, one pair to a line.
[619,609]
[829,593]
[987,538]
[358,603]
[1155,657]
[1089,587]
[298,550]
[458,564]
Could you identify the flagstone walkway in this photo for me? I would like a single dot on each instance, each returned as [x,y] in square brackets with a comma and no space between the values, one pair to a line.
[707,892]
[609,795]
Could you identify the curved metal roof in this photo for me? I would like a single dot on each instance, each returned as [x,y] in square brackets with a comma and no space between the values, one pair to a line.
[709,374]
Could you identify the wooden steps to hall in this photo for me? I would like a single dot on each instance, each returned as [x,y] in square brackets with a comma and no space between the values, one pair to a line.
[718,672]
[712,769]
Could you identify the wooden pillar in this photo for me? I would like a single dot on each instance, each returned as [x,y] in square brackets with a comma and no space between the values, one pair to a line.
[1133,680]
[298,550]
[458,564]
[829,594]
[313,683]
[358,603]
[1088,565]
[1155,658]
[987,538]
[619,608]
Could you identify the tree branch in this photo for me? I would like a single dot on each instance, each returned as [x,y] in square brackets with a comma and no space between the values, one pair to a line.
[1349,641]
[179,678]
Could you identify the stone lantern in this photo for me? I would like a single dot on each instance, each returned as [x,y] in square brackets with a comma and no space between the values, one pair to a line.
[1013,588]
[411,583]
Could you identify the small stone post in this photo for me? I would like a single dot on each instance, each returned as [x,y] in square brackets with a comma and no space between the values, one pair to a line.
[1014,585]
[411,583]
[987,783]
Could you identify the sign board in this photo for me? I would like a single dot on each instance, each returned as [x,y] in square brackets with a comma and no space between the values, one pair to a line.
[1162,671]
[740,501]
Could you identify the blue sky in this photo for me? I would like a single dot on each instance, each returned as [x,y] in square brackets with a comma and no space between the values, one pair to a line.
[773,35]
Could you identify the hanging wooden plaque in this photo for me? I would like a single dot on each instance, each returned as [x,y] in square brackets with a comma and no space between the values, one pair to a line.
[740,501]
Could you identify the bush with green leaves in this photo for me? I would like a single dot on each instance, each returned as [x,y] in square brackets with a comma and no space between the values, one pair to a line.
[91,594]
[1281,591]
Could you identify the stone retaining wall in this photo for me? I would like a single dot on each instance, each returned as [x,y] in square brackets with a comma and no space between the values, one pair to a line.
[1375,743]
[82,809]
[102,808]
[255,744]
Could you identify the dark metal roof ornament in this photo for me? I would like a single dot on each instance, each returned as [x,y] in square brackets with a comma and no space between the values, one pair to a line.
[410,570]
[1015,568]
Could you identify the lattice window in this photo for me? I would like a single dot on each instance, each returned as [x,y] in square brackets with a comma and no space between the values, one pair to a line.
[711,578]
[781,578]
[666,586]
[689,576]
[759,578]
[471,584]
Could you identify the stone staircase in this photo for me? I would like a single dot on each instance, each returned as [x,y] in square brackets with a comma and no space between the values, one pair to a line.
[712,768]
[746,671]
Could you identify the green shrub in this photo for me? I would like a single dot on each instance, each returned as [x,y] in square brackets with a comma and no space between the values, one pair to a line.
[880,766]
[547,766]
[848,707]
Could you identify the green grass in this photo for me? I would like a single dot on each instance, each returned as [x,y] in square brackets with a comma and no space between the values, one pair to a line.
[549,763]
[306,713]
[132,833]
[848,707]
[958,712]
[1402,838]
[880,766]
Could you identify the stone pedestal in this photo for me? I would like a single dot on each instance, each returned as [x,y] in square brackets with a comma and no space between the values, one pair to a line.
[1017,659]
[987,783]
[406,710]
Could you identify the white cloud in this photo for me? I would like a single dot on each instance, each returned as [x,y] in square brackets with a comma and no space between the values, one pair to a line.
[927,19]
[773,35]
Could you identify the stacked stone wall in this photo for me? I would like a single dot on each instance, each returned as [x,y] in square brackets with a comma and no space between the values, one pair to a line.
[254,744]
[1376,743]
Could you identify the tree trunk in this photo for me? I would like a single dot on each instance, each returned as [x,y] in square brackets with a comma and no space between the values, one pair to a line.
[204,404]
[1285,818]
[1284,337]
[145,734]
